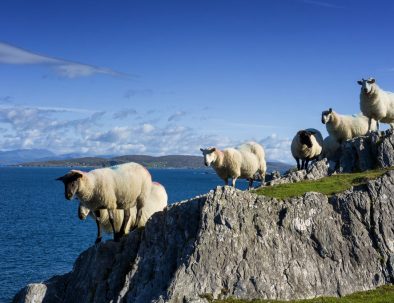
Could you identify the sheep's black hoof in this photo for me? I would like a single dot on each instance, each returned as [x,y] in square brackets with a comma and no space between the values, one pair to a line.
[98,240]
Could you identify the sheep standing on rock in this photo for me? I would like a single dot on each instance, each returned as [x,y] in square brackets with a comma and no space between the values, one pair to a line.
[118,187]
[156,202]
[343,127]
[307,145]
[242,162]
[376,103]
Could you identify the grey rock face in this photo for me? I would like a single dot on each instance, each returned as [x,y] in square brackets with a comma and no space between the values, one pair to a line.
[234,243]
[363,153]
[317,170]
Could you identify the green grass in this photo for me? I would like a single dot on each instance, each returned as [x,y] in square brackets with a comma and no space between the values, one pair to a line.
[383,294]
[327,186]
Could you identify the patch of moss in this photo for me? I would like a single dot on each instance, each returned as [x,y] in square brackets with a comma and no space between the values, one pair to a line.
[383,294]
[327,186]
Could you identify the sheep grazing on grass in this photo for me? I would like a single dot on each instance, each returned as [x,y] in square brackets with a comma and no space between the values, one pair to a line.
[241,162]
[376,103]
[156,202]
[343,127]
[306,146]
[118,187]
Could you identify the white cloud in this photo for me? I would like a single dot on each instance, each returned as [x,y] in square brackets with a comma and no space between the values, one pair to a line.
[147,128]
[277,149]
[176,116]
[13,55]
[124,113]
[95,133]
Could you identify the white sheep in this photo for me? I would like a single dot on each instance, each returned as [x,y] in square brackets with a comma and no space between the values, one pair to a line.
[307,145]
[103,222]
[156,202]
[242,162]
[376,103]
[343,127]
[118,187]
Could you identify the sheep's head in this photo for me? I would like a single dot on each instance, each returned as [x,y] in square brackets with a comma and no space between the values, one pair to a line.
[305,137]
[71,181]
[83,212]
[326,116]
[367,86]
[209,155]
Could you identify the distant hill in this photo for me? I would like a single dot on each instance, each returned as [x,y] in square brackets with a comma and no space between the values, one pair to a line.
[170,161]
[24,155]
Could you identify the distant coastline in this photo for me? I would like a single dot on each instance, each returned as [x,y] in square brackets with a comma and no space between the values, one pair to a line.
[170,161]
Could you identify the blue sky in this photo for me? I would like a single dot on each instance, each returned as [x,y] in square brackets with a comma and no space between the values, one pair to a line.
[167,77]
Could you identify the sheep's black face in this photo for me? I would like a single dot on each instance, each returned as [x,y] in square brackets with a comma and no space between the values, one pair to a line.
[209,155]
[305,138]
[71,183]
[326,116]
[70,189]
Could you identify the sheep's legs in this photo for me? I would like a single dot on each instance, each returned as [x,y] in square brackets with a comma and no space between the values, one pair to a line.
[99,236]
[306,164]
[226,181]
[126,219]
[298,163]
[111,220]
[250,183]
[233,181]
[302,164]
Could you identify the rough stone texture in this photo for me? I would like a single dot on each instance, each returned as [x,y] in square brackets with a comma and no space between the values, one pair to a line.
[274,175]
[317,170]
[234,243]
[363,153]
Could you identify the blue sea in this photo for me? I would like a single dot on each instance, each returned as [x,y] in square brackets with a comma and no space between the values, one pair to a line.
[41,235]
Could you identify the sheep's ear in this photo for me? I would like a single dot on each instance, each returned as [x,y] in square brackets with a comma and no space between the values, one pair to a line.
[76,174]
[371,81]
[60,178]
[213,149]
[202,149]
[360,82]
[330,110]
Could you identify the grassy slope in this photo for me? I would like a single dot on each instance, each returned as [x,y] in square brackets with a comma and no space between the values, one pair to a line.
[384,294]
[327,186]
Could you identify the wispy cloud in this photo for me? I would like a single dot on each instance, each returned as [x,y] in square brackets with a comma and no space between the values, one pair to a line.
[6,99]
[130,93]
[13,55]
[323,4]
[277,149]
[74,130]
[176,116]
[124,113]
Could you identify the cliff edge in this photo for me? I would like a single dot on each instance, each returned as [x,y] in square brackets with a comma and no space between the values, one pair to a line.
[239,244]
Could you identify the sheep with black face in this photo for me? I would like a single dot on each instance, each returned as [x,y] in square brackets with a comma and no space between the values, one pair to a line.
[118,187]
[157,202]
[306,146]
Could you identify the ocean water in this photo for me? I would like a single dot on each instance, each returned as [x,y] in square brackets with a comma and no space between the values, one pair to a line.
[40,233]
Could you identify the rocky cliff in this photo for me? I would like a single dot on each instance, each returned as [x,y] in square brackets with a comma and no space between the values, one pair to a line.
[239,244]
[234,243]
